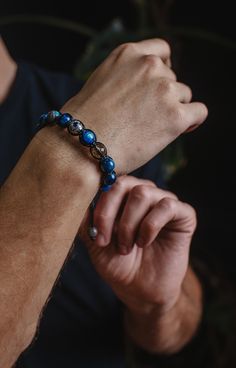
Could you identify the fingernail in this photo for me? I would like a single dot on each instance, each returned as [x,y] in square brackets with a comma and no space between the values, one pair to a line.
[101,241]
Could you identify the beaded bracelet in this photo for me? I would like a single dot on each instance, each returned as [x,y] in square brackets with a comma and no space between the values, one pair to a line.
[97,149]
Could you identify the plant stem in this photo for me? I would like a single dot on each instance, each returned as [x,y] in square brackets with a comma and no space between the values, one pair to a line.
[49,21]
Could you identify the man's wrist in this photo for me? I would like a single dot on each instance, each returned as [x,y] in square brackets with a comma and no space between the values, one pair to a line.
[168,332]
[59,154]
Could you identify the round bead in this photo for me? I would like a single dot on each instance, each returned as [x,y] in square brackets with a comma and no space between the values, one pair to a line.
[92,232]
[105,187]
[43,120]
[107,164]
[53,116]
[75,127]
[110,178]
[64,120]
[88,137]
[98,150]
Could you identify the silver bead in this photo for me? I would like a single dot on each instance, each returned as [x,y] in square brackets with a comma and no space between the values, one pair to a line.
[92,232]
[75,127]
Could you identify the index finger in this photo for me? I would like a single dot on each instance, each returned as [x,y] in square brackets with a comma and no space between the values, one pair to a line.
[109,204]
[156,46]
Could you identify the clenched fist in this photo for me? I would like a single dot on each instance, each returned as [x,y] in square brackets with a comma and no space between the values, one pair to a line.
[135,105]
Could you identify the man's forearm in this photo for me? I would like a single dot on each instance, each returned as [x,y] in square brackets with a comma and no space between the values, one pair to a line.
[41,206]
[169,332]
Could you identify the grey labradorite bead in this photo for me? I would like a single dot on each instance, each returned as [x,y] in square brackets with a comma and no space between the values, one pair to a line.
[75,127]
[98,150]
[92,232]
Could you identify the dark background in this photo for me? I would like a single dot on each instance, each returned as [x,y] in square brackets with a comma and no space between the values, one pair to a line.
[42,44]
[207,65]
[204,56]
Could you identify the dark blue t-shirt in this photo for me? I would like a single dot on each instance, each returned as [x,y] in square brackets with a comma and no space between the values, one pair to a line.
[82,323]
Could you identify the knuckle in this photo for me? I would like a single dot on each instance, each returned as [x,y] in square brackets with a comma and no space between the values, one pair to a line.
[165,45]
[190,93]
[149,227]
[168,204]
[171,194]
[192,215]
[186,90]
[152,61]
[150,183]
[166,86]
[194,219]
[174,76]
[203,110]
[140,192]
[128,46]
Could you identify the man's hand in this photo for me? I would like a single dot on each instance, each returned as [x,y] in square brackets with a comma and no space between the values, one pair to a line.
[143,249]
[135,105]
[143,244]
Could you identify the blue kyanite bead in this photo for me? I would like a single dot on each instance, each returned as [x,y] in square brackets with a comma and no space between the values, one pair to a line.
[43,120]
[53,116]
[105,187]
[107,164]
[64,120]
[88,137]
[110,178]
